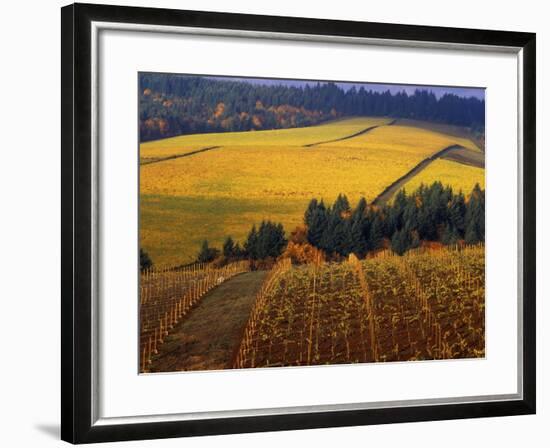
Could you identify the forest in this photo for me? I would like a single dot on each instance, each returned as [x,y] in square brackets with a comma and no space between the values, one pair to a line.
[171,105]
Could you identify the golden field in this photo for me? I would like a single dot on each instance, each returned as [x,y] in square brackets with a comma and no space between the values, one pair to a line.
[287,137]
[260,175]
[407,139]
[279,173]
[457,175]
[477,138]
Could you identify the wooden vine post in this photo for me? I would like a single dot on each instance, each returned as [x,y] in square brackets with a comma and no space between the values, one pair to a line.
[167,294]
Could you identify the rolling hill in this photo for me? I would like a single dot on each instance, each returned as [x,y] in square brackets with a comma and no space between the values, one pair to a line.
[212,185]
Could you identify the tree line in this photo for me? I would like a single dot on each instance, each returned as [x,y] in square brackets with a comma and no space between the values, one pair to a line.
[266,241]
[431,213]
[178,104]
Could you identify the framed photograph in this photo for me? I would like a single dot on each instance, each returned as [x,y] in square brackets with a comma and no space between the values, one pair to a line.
[275,223]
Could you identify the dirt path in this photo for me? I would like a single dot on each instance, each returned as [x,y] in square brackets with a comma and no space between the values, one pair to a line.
[390,190]
[208,337]
[466,157]
[357,134]
[178,156]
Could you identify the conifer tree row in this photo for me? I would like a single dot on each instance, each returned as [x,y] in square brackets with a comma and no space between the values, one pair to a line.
[268,240]
[431,213]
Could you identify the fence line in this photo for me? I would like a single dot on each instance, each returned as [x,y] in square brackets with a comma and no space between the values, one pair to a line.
[168,294]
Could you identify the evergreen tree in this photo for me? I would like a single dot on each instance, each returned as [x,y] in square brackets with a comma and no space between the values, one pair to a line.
[145,261]
[310,211]
[376,235]
[328,239]
[395,213]
[228,247]
[457,214]
[263,243]
[475,217]
[361,209]
[410,215]
[317,225]
[206,253]
[251,244]
[415,240]
[239,251]
[277,239]
[427,227]
[268,241]
[347,244]
[385,225]
[450,235]
[358,243]
[471,236]
[341,205]
[436,203]
[400,242]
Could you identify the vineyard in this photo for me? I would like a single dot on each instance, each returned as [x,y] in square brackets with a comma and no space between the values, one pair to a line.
[167,294]
[428,304]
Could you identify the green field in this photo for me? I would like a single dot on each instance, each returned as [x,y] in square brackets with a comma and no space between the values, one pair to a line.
[258,175]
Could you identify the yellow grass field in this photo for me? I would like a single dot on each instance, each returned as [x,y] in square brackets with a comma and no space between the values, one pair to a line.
[287,137]
[407,139]
[271,175]
[279,173]
[458,176]
[448,129]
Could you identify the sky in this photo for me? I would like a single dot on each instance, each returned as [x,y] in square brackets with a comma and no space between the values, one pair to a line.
[439,91]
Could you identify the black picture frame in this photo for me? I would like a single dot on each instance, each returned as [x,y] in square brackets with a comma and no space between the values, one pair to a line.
[76,232]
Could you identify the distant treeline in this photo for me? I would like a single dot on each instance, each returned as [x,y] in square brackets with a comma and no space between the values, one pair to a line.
[431,213]
[176,104]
